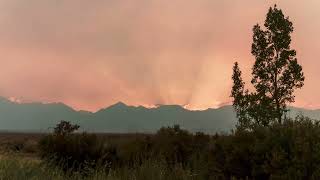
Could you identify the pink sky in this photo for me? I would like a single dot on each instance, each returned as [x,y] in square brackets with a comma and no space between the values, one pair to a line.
[91,54]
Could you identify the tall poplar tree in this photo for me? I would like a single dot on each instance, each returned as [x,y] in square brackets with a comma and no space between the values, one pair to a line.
[275,73]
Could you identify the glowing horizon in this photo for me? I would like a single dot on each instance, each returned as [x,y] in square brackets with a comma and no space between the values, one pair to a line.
[92,54]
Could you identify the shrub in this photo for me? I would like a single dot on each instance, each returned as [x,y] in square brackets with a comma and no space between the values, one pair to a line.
[290,150]
[65,128]
[16,146]
[76,151]
[136,151]
[174,144]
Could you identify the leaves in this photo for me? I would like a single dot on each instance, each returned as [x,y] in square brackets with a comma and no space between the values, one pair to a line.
[276,73]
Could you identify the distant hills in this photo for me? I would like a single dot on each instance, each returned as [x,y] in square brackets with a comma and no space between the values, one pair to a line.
[120,118]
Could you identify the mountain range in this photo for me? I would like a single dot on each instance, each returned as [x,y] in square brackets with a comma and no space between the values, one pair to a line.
[120,118]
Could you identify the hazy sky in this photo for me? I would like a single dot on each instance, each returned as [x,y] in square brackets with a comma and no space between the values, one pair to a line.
[90,54]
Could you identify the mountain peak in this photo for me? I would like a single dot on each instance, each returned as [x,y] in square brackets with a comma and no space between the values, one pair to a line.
[118,105]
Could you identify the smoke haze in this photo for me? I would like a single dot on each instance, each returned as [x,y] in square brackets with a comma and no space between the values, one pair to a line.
[90,54]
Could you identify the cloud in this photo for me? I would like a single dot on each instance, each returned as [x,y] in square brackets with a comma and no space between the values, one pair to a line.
[90,54]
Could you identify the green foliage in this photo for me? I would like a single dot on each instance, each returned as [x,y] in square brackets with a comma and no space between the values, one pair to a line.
[75,151]
[174,144]
[240,96]
[287,150]
[276,73]
[65,128]
[282,151]
[17,169]
[135,152]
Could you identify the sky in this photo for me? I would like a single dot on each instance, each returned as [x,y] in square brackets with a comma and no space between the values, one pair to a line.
[92,54]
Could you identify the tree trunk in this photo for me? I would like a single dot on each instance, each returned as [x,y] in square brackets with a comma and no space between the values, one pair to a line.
[276,93]
[279,115]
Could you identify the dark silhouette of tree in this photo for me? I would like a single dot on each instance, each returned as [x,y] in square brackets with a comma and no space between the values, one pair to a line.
[239,94]
[276,72]
[65,128]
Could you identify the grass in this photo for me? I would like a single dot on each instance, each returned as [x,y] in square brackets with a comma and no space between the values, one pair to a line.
[20,169]
[15,167]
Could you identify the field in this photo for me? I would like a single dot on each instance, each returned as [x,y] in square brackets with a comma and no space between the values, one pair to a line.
[19,159]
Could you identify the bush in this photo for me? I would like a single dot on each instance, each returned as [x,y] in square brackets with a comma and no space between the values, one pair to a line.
[174,145]
[15,146]
[290,150]
[136,151]
[76,151]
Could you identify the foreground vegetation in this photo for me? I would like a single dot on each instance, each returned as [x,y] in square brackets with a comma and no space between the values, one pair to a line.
[17,168]
[290,150]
